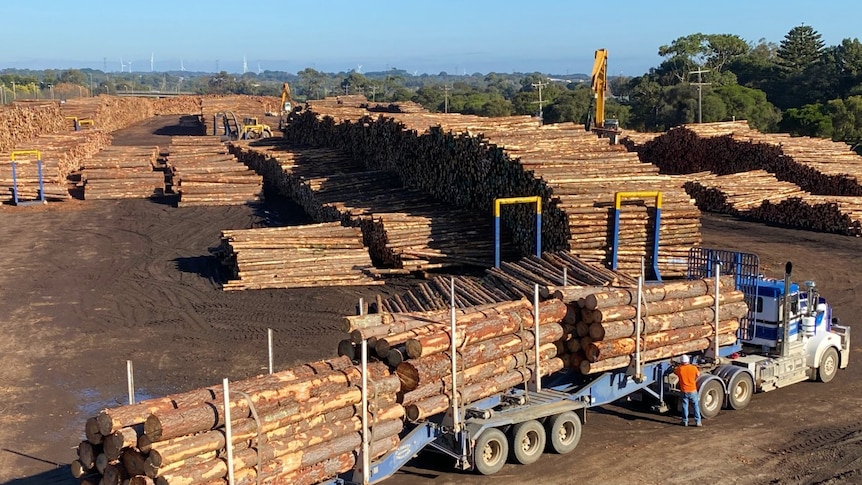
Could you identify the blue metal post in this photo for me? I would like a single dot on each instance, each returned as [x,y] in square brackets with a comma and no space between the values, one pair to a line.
[655,237]
[14,184]
[497,238]
[41,181]
[616,237]
[539,234]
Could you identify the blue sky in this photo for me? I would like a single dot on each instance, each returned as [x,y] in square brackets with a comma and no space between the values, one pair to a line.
[431,36]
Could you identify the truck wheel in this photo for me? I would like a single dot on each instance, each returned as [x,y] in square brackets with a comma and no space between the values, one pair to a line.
[267,134]
[527,442]
[828,365]
[711,398]
[490,452]
[564,432]
[739,390]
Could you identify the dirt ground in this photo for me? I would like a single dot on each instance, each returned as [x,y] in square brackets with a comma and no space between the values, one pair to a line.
[87,285]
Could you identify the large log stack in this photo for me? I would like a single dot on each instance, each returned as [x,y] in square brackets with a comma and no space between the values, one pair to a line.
[470,161]
[801,182]
[404,229]
[326,254]
[22,122]
[299,426]
[511,281]
[119,172]
[241,106]
[61,155]
[204,173]
[678,318]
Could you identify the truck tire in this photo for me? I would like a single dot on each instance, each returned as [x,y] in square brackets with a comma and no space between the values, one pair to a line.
[490,452]
[711,395]
[564,432]
[527,442]
[739,390]
[828,365]
[267,134]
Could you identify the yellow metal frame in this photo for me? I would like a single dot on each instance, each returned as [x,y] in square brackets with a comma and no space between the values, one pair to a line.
[656,194]
[533,199]
[600,85]
[15,153]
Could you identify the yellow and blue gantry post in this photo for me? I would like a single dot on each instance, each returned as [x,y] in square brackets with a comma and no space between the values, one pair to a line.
[14,157]
[498,203]
[618,201]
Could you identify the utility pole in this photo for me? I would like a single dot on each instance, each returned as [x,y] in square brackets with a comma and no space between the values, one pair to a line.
[700,84]
[446,98]
[540,85]
[373,92]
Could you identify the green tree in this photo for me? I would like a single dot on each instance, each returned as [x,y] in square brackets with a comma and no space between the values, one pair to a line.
[809,120]
[688,53]
[571,105]
[846,115]
[749,104]
[73,76]
[800,48]
[311,83]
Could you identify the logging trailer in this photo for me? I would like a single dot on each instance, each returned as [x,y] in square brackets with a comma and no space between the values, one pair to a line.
[788,336]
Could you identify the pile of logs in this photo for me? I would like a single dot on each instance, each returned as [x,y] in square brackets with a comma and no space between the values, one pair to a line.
[119,172]
[511,281]
[299,426]
[109,113]
[241,106]
[326,254]
[204,173]
[470,161]
[22,122]
[404,229]
[818,166]
[495,349]
[61,153]
[678,318]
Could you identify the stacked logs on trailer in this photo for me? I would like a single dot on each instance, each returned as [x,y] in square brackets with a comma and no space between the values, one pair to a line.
[405,230]
[326,254]
[677,318]
[204,173]
[471,161]
[825,174]
[299,426]
[511,281]
[119,172]
[241,106]
[495,342]
[61,154]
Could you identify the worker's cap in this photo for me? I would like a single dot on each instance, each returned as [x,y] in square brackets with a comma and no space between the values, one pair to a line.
[684,359]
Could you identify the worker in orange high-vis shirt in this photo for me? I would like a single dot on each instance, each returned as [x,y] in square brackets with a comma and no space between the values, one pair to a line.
[687,374]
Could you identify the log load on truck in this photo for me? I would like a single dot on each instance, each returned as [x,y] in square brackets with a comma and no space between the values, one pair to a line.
[484,385]
[788,335]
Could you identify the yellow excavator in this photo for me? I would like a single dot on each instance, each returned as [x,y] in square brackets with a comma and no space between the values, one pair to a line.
[596,122]
[286,106]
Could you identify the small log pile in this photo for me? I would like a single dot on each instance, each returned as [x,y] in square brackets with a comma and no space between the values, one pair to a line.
[304,428]
[326,254]
[677,318]
[22,122]
[178,105]
[241,106]
[204,173]
[495,347]
[738,193]
[818,166]
[109,113]
[511,281]
[119,172]
[470,161]
[405,230]
[62,154]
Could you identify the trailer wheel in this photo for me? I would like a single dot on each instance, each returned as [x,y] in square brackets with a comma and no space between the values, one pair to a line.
[527,442]
[490,452]
[711,398]
[740,390]
[564,432]
[828,365]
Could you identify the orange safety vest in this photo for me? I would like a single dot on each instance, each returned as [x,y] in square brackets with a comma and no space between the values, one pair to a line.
[687,374]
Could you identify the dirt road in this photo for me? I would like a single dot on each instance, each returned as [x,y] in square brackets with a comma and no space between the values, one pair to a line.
[88,285]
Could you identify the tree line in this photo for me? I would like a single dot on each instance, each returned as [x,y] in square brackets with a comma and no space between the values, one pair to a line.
[798,85]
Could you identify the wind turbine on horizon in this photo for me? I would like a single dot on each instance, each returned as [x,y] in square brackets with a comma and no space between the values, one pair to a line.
[259,70]
[244,65]
[359,68]
[122,66]
[182,66]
